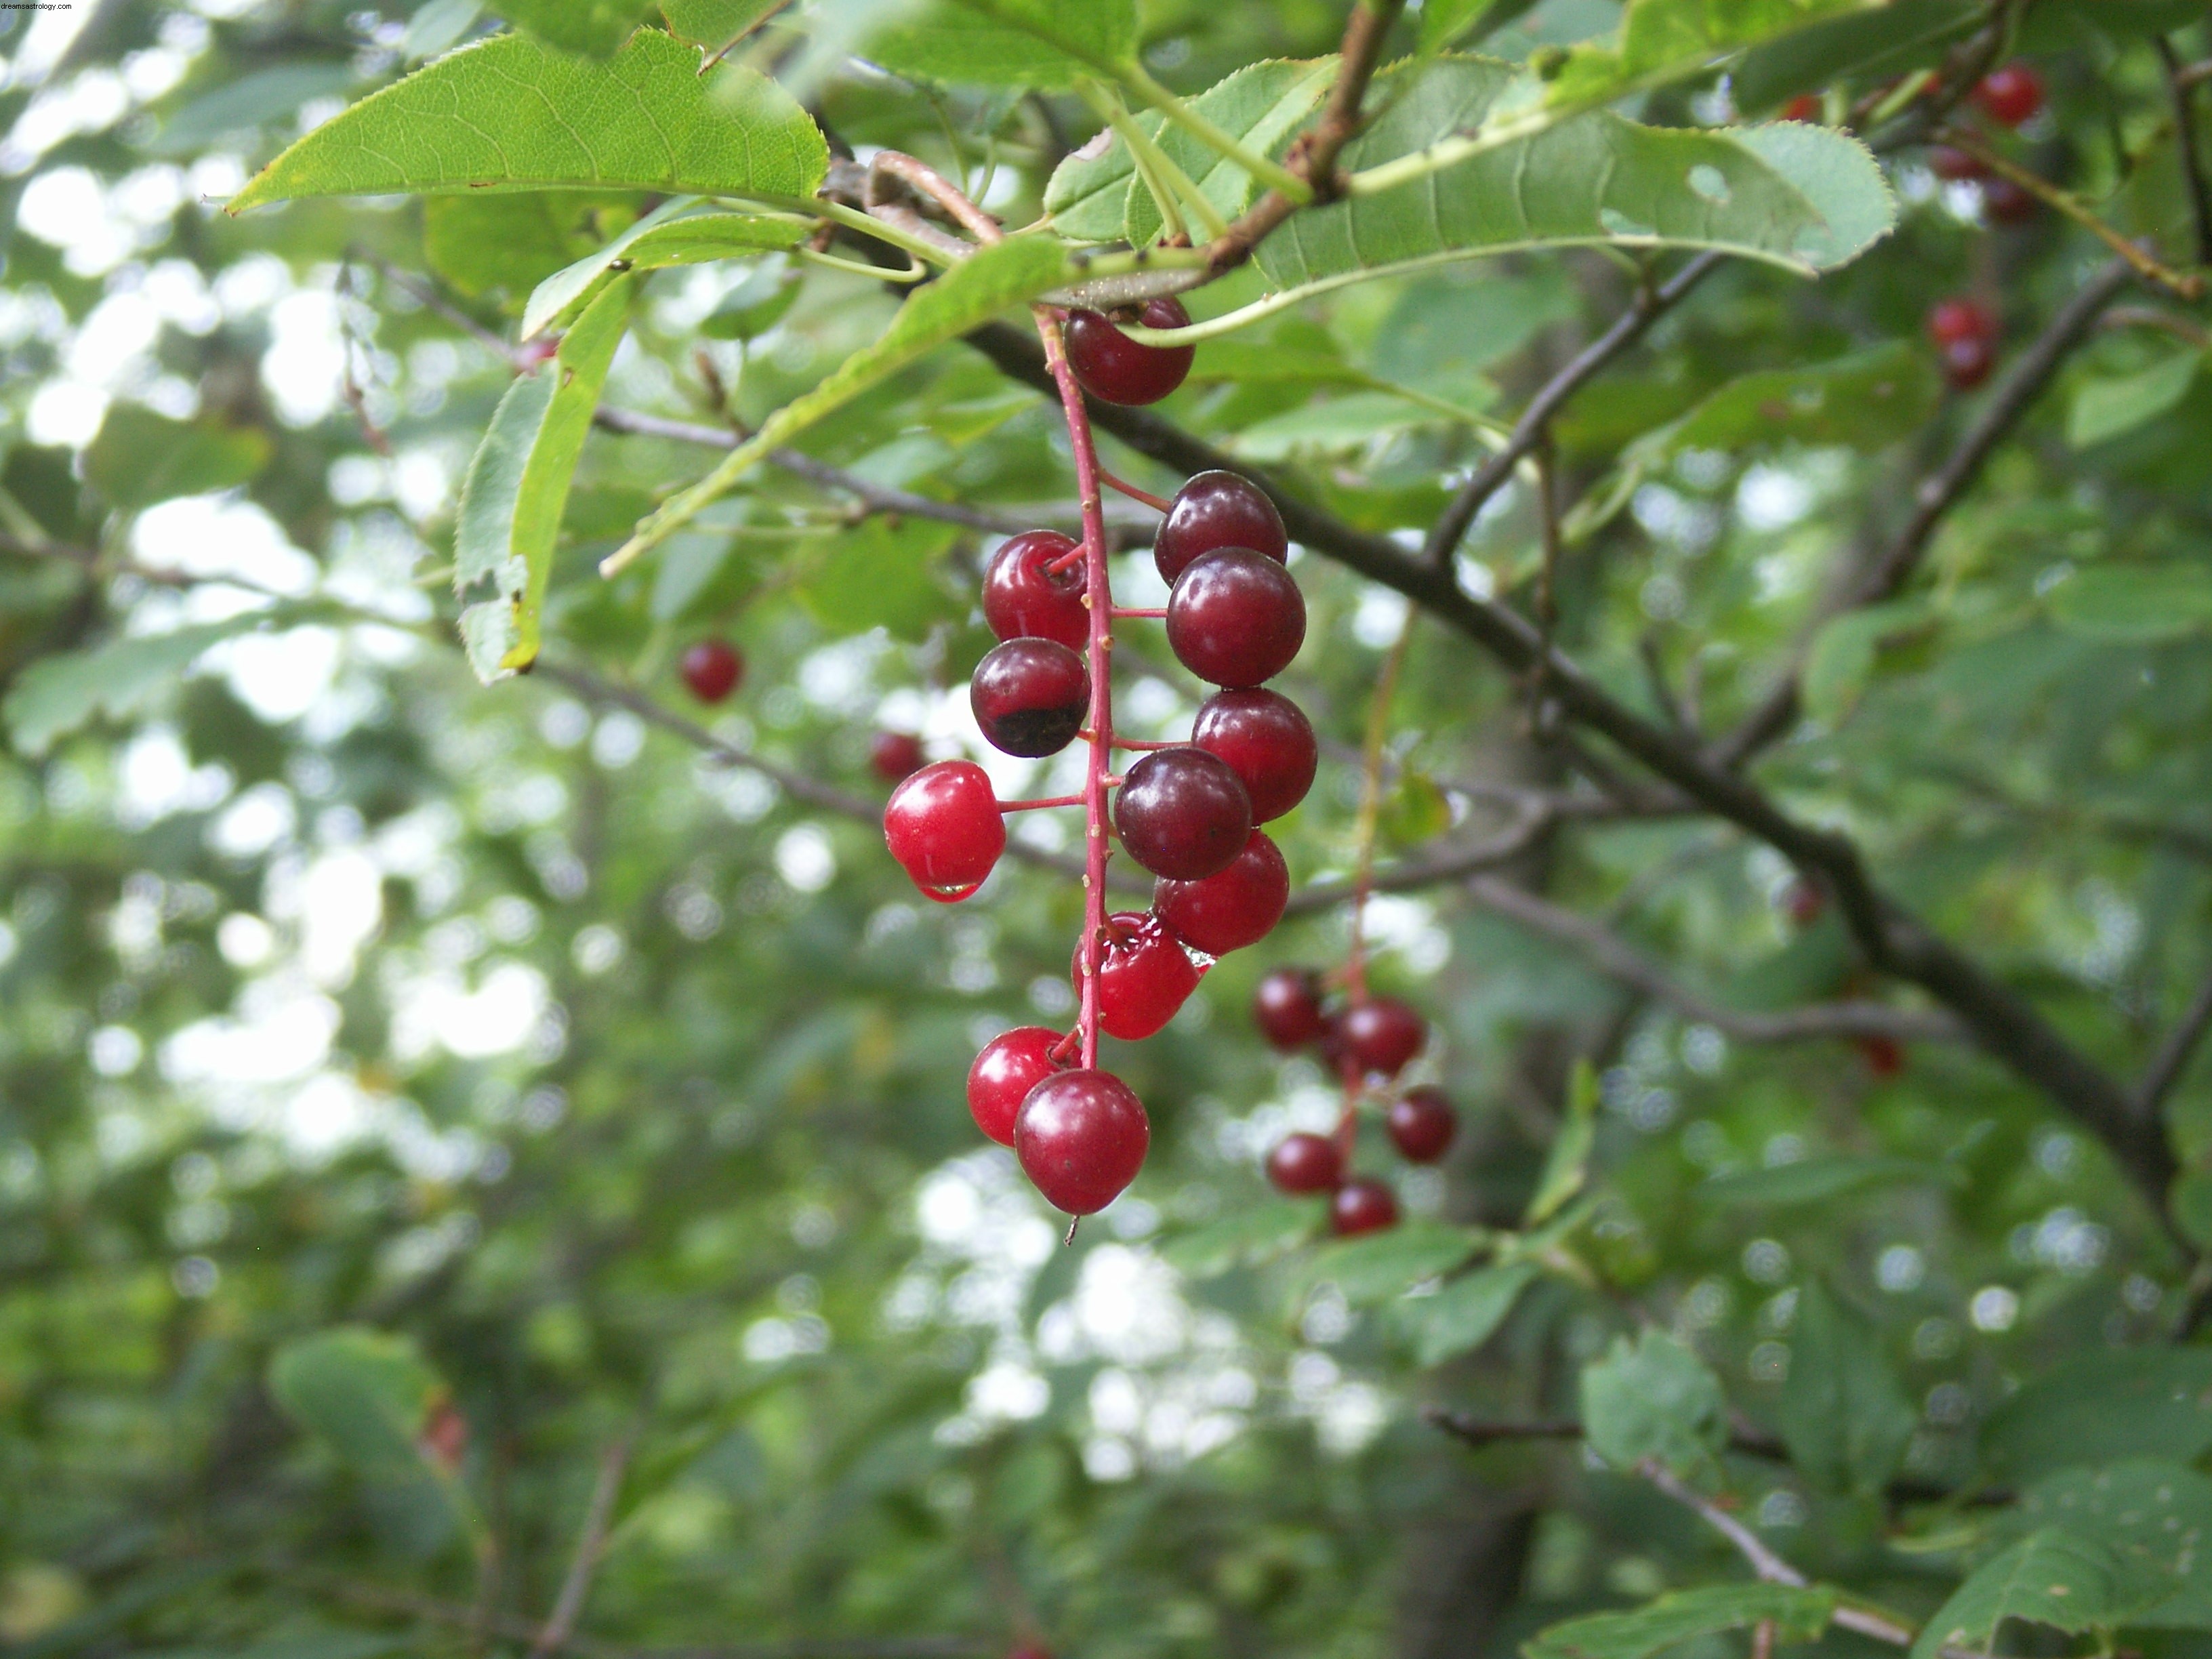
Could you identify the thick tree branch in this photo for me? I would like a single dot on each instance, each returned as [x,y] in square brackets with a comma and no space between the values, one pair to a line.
[1884,574]
[2171,1059]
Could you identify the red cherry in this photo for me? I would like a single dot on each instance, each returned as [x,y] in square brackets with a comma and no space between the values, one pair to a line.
[1231,907]
[1951,320]
[1030,1650]
[1362,1206]
[894,755]
[1422,1123]
[1011,1064]
[1968,363]
[1382,1034]
[1144,976]
[2009,203]
[1081,1137]
[1030,697]
[943,824]
[2011,94]
[1303,1162]
[1804,901]
[1236,617]
[713,669]
[1110,365]
[1025,599]
[1884,1055]
[1268,741]
[1955,164]
[1805,107]
[1218,509]
[1183,814]
[1286,1007]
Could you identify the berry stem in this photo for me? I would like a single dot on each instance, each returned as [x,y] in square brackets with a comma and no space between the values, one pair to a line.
[1157,503]
[1371,806]
[1100,724]
[1155,612]
[1041,802]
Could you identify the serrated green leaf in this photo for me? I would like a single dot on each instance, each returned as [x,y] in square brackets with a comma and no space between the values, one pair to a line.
[2153,1515]
[2101,1407]
[678,232]
[1843,1412]
[1869,400]
[501,247]
[598,27]
[1847,649]
[1799,1614]
[1387,1264]
[509,114]
[517,487]
[1446,22]
[1566,1166]
[1097,197]
[2133,603]
[988,282]
[1653,1398]
[2105,408]
[56,695]
[1252,1235]
[2050,1577]
[1461,1316]
[999,43]
[139,457]
[1815,1180]
[878,575]
[1806,198]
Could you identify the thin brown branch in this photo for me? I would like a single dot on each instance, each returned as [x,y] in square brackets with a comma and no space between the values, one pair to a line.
[1529,431]
[1436,870]
[1883,575]
[2174,1055]
[591,1546]
[2193,159]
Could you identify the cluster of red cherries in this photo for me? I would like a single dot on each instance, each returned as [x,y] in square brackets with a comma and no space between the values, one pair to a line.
[1367,1041]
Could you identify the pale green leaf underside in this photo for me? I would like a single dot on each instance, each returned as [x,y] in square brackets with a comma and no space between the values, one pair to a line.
[2050,1577]
[1800,1615]
[510,114]
[988,282]
[517,487]
[2155,1518]
[1388,1264]
[1804,197]
[676,233]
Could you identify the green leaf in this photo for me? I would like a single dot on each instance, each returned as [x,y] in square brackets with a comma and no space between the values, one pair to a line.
[884,575]
[1806,198]
[978,288]
[56,695]
[714,23]
[1868,400]
[597,27]
[2049,1577]
[1335,426]
[2154,1517]
[1815,1180]
[1461,1316]
[139,457]
[1653,1399]
[1566,1166]
[755,305]
[1843,1412]
[2104,409]
[510,114]
[2133,603]
[1099,198]
[1867,45]
[1847,650]
[1800,1615]
[1444,22]
[2100,1408]
[677,233]
[1387,1264]
[502,247]
[250,103]
[1045,44]
[1249,1236]
[517,486]
[1663,40]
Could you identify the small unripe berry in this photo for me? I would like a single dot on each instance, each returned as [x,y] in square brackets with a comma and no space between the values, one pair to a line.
[1081,1137]
[712,669]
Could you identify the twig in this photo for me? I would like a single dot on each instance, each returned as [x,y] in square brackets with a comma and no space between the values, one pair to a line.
[2192,162]
[590,1545]
[1618,959]
[1885,575]
[1649,306]
[1411,875]
[2171,1059]
[2065,202]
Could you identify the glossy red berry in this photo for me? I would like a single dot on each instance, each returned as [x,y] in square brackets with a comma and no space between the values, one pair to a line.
[1218,509]
[2009,203]
[1011,1064]
[1030,697]
[1231,907]
[1268,741]
[1081,1137]
[1968,363]
[1955,164]
[1362,1206]
[1286,1007]
[895,755]
[1422,1124]
[1965,334]
[943,825]
[1236,617]
[712,669]
[1382,1034]
[1110,365]
[1884,1055]
[1805,107]
[1303,1162]
[2010,94]
[1144,976]
[1024,599]
[1183,814]
[1804,901]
